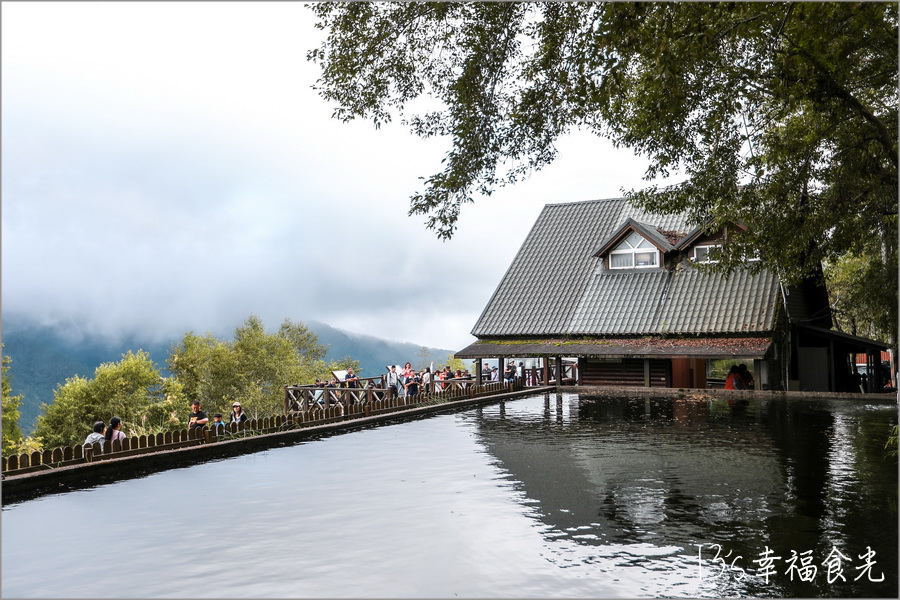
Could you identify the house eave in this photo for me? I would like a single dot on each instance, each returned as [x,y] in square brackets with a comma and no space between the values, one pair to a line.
[644,347]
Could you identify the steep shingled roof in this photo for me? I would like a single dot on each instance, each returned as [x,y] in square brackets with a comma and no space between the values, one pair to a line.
[555,285]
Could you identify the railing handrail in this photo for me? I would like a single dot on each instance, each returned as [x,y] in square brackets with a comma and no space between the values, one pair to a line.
[367,401]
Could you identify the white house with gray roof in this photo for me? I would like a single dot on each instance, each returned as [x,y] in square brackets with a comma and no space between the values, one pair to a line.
[618,290]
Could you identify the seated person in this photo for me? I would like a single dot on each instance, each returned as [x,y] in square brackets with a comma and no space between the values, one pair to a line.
[96,436]
[237,413]
[746,377]
[734,381]
[217,425]
[197,419]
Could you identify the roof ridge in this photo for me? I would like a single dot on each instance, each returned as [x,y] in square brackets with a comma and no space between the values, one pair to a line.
[554,204]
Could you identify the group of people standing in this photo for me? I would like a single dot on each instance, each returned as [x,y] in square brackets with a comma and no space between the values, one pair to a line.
[407,382]
[510,373]
[198,419]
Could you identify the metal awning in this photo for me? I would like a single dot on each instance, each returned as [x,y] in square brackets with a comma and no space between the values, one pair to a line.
[860,344]
[645,347]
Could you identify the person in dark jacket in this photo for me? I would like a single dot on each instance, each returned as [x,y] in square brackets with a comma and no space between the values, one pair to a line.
[412,384]
[746,377]
[510,374]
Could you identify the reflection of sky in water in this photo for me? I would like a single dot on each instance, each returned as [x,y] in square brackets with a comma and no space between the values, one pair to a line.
[523,499]
[842,477]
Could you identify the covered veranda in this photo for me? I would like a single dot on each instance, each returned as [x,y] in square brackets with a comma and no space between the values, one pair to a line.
[645,361]
[815,346]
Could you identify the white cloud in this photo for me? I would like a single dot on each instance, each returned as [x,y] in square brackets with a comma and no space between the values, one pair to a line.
[167,167]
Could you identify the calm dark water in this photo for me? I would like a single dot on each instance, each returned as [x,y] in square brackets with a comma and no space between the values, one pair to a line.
[541,497]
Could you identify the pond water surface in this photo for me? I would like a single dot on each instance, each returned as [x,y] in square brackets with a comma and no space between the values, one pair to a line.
[559,495]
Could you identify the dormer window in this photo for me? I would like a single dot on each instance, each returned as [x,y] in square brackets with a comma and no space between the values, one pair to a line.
[707,253]
[634,245]
[634,252]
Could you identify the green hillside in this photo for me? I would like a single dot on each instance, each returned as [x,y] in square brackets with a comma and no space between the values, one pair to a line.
[44,357]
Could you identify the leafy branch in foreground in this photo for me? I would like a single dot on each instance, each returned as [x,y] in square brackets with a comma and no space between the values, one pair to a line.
[781,116]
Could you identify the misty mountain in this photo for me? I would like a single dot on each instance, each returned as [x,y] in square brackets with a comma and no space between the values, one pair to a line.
[373,353]
[43,357]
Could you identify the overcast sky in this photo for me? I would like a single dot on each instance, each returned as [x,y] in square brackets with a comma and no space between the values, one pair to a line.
[167,167]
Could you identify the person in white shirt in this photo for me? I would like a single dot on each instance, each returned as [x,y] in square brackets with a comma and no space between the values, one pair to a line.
[393,380]
[426,379]
[97,435]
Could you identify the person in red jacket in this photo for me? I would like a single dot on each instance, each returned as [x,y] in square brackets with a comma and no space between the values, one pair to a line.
[734,381]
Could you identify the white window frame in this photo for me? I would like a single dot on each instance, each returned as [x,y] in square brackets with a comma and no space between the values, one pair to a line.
[626,248]
[707,259]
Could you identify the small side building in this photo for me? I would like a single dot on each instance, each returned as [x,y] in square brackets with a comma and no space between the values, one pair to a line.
[618,290]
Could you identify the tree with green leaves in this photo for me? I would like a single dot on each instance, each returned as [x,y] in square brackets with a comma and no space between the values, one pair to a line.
[132,388]
[423,358]
[862,293]
[11,434]
[455,364]
[252,369]
[890,446]
[780,116]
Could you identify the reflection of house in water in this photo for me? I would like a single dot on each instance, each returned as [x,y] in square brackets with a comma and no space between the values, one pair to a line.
[628,469]
[635,479]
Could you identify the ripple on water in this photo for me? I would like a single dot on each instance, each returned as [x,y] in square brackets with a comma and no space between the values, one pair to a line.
[530,498]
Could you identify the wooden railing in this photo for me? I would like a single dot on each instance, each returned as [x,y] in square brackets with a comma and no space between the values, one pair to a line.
[302,409]
[535,377]
[310,403]
[73,455]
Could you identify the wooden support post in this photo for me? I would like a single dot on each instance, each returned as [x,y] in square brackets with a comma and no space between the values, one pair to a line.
[832,385]
[870,372]
[546,363]
[757,374]
[559,371]
[647,372]
[877,376]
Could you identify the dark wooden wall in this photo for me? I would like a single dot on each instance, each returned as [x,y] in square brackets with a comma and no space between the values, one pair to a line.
[627,372]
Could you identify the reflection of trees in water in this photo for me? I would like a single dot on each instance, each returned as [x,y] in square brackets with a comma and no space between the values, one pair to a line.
[681,472]
[839,486]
